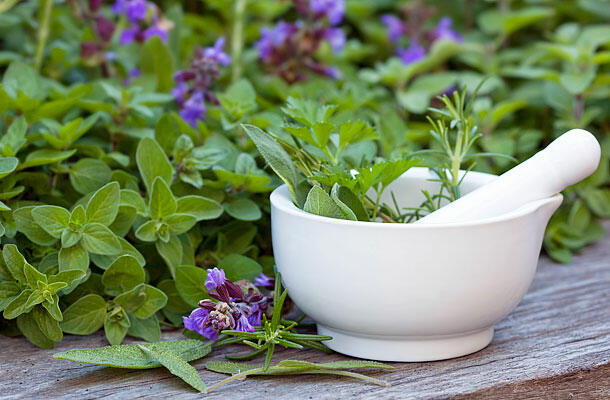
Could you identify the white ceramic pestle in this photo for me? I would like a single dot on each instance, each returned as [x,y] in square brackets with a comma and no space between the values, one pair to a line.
[567,160]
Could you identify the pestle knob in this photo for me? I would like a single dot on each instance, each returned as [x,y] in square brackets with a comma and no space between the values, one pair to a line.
[569,159]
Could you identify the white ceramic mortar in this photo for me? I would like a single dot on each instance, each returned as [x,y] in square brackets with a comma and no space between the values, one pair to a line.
[405,292]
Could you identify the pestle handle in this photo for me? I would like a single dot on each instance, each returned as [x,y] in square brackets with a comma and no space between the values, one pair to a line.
[569,159]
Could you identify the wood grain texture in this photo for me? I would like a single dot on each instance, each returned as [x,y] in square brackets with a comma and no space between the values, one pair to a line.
[555,344]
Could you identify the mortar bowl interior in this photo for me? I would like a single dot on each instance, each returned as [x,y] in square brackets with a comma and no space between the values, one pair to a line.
[405,292]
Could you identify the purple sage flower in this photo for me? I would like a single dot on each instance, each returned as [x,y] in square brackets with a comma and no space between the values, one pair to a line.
[217,54]
[413,53]
[216,277]
[395,26]
[332,9]
[197,322]
[238,306]
[264,281]
[443,31]
[135,10]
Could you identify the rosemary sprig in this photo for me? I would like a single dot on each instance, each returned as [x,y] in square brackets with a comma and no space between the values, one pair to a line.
[274,332]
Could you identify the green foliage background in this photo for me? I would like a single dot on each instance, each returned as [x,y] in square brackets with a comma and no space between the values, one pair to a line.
[173,199]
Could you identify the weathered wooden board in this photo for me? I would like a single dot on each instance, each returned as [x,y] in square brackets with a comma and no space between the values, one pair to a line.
[556,344]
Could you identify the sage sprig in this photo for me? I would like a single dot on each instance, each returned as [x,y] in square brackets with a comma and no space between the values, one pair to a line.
[240,371]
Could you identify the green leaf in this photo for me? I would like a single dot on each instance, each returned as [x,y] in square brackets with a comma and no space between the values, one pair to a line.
[133,199]
[171,252]
[157,61]
[162,202]
[99,239]
[103,206]
[67,276]
[190,284]
[15,262]
[7,165]
[116,325]
[176,365]
[18,306]
[239,99]
[175,303]
[275,155]
[122,275]
[14,138]
[349,203]
[21,77]
[130,356]
[142,301]
[307,112]
[30,330]
[239,267]
[89,174]
[180,223]
[147,329]
[201,208]
[320,203]
[45,156]
[152,162]
[85,316]
[52,219]
[26,224]
[75,257]
[243,209]
[33,276]
[47,324]
[147,232]
[126,249]
[69,238]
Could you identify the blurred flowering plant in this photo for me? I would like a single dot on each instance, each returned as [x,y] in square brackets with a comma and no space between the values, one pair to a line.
[412,27]
[194,84]
[144,21]
[289,47]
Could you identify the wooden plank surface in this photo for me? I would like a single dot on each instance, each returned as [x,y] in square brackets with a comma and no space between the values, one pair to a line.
[555,344]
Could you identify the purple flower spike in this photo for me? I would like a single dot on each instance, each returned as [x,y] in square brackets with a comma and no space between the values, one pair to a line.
[264,281]
[413,53]
[443,31]
[332,9]
[217,54]
[336,39]
[216,277]
[197,322]
[395,26]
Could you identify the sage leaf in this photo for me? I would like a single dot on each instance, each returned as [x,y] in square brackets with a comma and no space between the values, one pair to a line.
[131,356]
[176,365]
[320,203]
[275,155]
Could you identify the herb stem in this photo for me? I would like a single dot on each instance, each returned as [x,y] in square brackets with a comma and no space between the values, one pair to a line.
[43,32]
[236,377]
[237,38]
